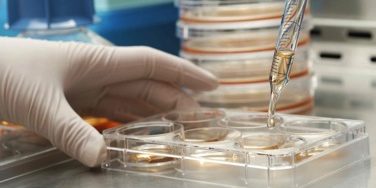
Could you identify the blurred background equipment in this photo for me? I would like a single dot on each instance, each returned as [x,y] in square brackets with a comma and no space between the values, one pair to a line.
[345,57]
[235,40]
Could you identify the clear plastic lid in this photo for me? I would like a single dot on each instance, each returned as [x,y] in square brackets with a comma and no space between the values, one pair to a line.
[212,136]
[232,12]
[187,30]
[252,69]
[194,118]
[247,42]
[16,142]
[216,3]
[296,98]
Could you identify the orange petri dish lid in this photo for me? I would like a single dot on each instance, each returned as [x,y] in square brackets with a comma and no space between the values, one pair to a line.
[251,42]
[255,96]
[230,13]
[252,70]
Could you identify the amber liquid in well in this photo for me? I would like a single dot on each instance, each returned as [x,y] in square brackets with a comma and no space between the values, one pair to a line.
[100,123]
[261,143]
[148,158]
[279,77]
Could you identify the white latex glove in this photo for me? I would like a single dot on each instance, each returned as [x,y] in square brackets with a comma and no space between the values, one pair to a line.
[43,84]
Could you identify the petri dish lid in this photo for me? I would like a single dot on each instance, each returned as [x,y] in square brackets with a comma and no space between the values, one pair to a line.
[302,50]
[302,108]
[209,136]
[195,118]
[247,68]
[313,128]
[237,43]
[186,30]
[241,11]
[248,71]
[215,3]
[153,130]
[255,96]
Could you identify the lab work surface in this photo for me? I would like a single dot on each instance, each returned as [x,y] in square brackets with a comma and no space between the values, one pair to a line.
[333,99]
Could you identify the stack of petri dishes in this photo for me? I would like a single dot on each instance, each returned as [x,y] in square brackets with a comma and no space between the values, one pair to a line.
[235,41]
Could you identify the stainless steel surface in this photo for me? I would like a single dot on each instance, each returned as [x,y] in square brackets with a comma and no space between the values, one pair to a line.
[31,163]
[349,93]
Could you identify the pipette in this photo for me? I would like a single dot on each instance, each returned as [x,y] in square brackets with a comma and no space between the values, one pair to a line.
[284,52]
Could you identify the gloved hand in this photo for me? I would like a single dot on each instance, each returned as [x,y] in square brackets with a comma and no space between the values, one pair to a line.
[43,85]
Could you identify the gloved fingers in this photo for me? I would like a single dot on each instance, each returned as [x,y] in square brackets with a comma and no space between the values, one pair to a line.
[119,64]
[161,66]
[51,116]
[159,94]
[124,110]
[76,137]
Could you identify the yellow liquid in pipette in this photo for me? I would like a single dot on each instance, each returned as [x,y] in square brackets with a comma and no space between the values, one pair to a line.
[279,77]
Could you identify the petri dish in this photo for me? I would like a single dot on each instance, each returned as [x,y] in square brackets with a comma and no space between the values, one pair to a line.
[237,42]
[208,147]
[148,163]
[209,136]
[196,118]
[257,136]
[154,130]
[271,140]
[255,96]
[252,68]
[234,11]
[263,140]
[229,11]
[314,129]
[328,134]
[144,149]
[216,3]
[220,30]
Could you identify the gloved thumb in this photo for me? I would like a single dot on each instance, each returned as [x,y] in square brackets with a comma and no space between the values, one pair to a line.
[70,133]
[51,116]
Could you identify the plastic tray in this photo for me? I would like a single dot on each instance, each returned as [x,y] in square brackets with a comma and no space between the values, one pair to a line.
[240,151]
[17,141]
[216,3]
[22,151]
[256,96]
